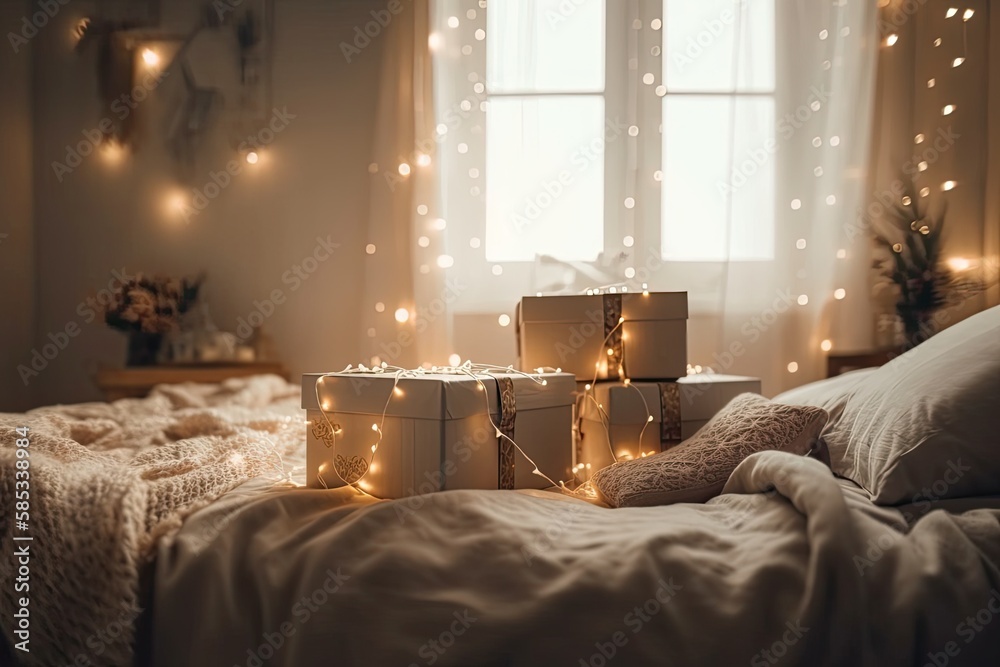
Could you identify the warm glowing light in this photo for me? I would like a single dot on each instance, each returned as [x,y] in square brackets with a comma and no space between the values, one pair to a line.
[951,12]
[454,360]
[370,248]
[504,320]
[397,391]
[177,202]
[826,345]
[610,352]
[948,109]
[112,151]
[434,41]
[792,367]
[327,406]
[968,14]
[587,387]
[957,61]
[800,244]
[150,57]
[891,39]
[948,185]
[375,427]
[922,165]
[839,293]
[402,315]
[252,157]
[919,139]
[404,169]
[452,21]
[959,264]
[906,200]
[649,418]
[423,159]
[445,261]
[802,300]
[842,254]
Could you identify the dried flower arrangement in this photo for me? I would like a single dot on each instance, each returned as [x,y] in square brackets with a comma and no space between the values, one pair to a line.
[148,307]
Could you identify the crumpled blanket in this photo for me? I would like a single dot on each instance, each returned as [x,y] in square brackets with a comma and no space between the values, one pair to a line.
[101,483]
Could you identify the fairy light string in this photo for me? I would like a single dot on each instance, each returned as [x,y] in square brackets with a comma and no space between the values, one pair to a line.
[468,369]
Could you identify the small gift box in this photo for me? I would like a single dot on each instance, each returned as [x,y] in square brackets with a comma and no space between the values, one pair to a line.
[641,418]
[639,335]
[414,433]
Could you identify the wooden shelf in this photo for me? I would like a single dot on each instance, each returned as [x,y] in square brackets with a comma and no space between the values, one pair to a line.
[137,381]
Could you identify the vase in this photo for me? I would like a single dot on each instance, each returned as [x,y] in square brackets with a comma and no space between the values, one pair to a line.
[143,348]
[917,325]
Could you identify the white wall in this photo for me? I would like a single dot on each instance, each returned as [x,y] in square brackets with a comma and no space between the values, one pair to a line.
[17,275]
[312,182]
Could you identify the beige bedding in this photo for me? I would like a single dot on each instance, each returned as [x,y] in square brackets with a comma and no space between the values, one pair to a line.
[785,566]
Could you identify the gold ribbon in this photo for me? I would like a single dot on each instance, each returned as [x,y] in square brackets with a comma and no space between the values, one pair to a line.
[670,414]
[613,334]
[508,413]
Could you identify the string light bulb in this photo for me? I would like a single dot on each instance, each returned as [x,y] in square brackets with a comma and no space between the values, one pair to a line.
[951,12]
[968,14]
[252,157]
[891,39]
[150,57]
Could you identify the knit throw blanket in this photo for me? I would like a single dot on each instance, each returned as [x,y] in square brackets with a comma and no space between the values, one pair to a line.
[105,481]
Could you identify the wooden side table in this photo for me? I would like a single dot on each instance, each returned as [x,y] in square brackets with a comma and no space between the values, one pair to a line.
[137,381]
[837,364]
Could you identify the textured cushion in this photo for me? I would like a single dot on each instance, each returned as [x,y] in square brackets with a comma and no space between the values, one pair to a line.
[697,469]
[925,425]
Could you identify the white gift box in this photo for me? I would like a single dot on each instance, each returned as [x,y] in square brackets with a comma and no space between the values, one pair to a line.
[581,334]
[678,409]
[437,432]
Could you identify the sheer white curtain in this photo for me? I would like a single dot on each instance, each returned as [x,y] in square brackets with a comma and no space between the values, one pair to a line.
[717,147]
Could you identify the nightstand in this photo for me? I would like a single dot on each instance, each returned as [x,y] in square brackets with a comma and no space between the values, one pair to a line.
[837,364]
[137,381]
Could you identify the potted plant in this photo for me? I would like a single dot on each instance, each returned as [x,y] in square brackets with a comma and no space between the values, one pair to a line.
[911,260]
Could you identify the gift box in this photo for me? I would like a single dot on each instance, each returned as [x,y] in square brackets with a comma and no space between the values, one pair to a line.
[639,335]
[664,413]
[436,433]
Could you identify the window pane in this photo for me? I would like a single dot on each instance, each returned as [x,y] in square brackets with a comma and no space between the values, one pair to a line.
[699,39]
[545,177]
[545,46]
[718,162]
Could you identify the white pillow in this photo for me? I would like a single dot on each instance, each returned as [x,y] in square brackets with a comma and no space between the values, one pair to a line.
[924,426]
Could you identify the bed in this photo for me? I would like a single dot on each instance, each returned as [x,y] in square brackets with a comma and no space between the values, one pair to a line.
[215,554]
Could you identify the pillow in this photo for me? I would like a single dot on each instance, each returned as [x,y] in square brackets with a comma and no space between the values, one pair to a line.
[697,469]
[926,425]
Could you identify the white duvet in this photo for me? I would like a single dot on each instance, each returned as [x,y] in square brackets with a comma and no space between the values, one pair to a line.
[782,568]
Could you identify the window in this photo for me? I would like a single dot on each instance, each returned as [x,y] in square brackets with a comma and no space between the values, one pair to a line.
[718,130]
[545,95]
[559,74]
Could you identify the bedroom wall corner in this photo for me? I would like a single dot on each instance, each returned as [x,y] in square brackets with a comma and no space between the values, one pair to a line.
[17,245]
[308,194]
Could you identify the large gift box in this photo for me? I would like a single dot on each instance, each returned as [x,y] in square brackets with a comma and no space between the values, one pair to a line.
[639,335]
[436,431]
[664,413]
